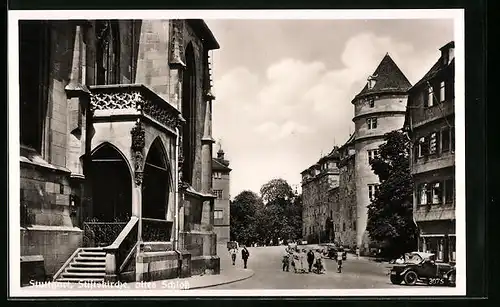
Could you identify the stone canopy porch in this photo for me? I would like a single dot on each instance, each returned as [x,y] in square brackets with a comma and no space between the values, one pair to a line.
[132,205]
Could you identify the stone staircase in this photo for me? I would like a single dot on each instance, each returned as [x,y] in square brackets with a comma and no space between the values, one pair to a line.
[88,265]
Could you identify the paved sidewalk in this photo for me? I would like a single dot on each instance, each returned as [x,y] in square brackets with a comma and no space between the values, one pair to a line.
[228,274]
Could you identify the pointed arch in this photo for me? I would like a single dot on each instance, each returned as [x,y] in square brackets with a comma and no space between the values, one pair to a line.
[111,184]
[157,155]
[189,112]
[100,151]
[157,182]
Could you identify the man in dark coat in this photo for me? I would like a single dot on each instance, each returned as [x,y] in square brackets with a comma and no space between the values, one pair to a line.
[310,259]
[244,255]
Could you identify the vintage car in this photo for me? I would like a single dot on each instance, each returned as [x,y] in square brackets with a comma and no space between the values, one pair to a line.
[419,266]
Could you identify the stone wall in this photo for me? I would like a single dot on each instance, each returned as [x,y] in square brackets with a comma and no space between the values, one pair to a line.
[317,206]
[345,219]
[159,265]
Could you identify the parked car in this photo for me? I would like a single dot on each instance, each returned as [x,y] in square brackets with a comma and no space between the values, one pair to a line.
[419,266]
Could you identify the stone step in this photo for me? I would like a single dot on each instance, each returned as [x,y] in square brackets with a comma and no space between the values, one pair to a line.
[92,249]
[90,259]
[77,280]
[88,264]
[92,254]
[83,274]
[73,269]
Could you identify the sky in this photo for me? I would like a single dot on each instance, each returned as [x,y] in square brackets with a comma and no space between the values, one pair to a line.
[284,87]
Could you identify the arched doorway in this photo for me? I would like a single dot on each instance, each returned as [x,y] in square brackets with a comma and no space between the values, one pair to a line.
[156,183]
[111,185]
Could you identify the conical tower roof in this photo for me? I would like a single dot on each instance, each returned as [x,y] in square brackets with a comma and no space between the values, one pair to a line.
[388,79]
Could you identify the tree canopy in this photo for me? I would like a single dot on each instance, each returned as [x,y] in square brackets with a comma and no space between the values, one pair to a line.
[276,214]
[390,215]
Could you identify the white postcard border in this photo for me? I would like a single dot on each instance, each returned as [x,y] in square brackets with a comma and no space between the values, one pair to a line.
[13,138]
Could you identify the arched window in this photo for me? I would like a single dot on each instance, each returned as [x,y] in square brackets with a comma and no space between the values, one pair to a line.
[189,113]
[34,64]
[107,52]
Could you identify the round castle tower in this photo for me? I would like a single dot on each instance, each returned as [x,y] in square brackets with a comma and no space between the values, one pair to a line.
[379,108]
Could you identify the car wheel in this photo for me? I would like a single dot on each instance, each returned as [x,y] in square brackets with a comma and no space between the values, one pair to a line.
[411,278]
[396,279]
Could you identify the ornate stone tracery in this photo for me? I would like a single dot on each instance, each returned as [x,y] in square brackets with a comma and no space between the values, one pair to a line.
[116,100]
[138,142]
[113,99]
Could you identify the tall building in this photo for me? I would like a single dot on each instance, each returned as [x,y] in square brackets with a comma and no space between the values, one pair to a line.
[379,108]
[116,148]
[221,184]
[319,185]
[431,126]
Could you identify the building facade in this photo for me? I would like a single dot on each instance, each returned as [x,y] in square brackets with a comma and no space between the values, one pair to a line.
[346,219]
[379,108]
[319,187]
[430,124]
[221,184]
[116,148]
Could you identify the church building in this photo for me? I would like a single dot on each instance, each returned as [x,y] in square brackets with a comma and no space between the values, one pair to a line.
[116,149]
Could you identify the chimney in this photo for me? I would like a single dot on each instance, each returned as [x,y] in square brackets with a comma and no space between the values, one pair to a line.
[448,52]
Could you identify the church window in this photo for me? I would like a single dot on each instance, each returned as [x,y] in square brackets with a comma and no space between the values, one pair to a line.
[108,51]
[34,65]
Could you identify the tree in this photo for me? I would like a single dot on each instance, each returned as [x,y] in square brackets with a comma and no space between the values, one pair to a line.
[390,215]
[276,190]
[244,223]
[281,216]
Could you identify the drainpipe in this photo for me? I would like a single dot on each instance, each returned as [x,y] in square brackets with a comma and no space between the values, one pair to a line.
[176,194]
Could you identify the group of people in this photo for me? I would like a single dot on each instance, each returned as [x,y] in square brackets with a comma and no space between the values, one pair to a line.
[303,261]
[245,254]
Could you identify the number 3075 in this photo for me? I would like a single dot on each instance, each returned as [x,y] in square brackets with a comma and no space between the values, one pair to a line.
[436,281]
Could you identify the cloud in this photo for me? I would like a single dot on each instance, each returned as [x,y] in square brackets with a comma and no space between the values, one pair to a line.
[276,121]
[279,131]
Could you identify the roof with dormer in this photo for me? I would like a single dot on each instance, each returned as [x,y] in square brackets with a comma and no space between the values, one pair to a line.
[388,79]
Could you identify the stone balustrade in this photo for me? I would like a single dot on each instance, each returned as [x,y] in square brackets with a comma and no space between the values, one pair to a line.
[135,98]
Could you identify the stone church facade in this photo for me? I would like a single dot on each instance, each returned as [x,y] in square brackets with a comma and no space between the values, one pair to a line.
[116,149]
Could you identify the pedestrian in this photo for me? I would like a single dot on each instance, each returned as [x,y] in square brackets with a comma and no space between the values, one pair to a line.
[233,251]
[286,261]
[340,251]
[310,259]
[244,255]
[357,252]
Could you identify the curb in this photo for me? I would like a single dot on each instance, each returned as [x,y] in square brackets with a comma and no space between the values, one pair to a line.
[252,273]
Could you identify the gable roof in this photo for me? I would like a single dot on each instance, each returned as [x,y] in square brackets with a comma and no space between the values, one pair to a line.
[388,78]
[435,69]
[217,165]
